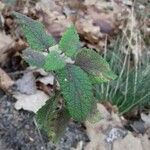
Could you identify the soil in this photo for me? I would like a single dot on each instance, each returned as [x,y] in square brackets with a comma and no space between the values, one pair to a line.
[18,130]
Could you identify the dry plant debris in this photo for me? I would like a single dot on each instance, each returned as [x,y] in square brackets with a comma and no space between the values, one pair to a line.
[6,42]
[26,85]
[93,19]
[32,102]
[27,94]
[5,81]
[49,79]
[96,22]
[109,133]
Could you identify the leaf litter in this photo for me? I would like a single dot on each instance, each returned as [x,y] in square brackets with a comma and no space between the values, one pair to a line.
[5,81]
[6,43]
[26,85]
[109,133]
[32,102]
[94,32]
[26,92]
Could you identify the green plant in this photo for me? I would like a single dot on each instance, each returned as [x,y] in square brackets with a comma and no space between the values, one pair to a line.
[132,87]
[75,77]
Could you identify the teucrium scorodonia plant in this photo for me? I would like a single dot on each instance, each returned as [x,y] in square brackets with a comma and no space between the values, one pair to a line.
[75,79]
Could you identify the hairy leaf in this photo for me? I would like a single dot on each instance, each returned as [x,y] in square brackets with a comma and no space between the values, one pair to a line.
[77,91]
[94,65]
[53,62]
[34,58]
[34,32]
[69,42]
[52,120]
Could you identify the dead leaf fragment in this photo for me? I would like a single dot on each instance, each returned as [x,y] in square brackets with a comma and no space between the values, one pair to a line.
[109,133]
[6,42]
[50,12]
[30,102]
[5,81]
[47,79]
[128,143]
[146,119]
[47,89]
[26,85]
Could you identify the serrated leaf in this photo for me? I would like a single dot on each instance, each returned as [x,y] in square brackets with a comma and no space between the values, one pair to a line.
[69,42]
[95,65]
[49,118]
[77,91]
[34,33]
[34,58]
[53,62]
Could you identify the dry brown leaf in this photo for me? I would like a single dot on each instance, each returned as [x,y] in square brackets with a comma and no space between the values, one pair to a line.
[109,133]
[96,131]
[5,81]
[108,16]
[26,85]
[30,102]
[47,79]
[45,83]
[51,14]
[47,89]
[26,93]
[6,42]
[128,143]
[93,19]
[100,18]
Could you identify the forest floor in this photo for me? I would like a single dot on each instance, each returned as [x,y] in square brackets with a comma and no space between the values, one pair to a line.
[99,24]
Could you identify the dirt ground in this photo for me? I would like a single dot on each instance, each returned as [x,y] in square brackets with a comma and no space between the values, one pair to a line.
[18,131]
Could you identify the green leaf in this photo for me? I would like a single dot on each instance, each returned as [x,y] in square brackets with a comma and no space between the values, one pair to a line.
[95,65]
[69,42]
[52,120]
[34,58]
[53,62]
[77,91]
[34,32]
